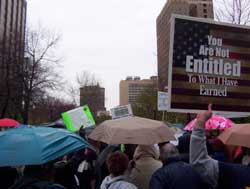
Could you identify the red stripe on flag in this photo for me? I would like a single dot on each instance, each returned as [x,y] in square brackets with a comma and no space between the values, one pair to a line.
[239,56]
[236,42]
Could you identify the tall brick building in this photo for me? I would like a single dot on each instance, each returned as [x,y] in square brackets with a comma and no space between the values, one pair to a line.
[12,38]
[94,96]
[196,8]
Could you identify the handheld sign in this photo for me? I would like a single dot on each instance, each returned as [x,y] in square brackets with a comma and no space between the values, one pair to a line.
[121,111]
[77,118]
[209,63]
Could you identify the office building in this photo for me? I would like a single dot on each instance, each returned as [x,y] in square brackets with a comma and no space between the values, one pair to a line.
[196,8]
[131,88]
[94,97]
[12,38]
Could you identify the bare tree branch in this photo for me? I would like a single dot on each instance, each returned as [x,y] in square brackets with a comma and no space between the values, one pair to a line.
[233,11]
[40,68]
[83,79]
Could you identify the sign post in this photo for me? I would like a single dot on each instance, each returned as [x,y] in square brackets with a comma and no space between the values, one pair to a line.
[209,63]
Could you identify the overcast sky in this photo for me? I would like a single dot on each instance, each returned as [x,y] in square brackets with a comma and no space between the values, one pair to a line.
[112,38]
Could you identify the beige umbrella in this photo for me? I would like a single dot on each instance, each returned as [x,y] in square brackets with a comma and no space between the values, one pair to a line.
[132,130]
[238,135]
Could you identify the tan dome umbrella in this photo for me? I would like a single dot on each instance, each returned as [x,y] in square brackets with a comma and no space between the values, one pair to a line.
[132,130]
[238,135]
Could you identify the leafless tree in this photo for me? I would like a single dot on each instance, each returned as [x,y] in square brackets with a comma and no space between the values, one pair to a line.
[51,108]
[87,90]
[83,79]
[11,55]
[73,92]
[233,11]
[40,67]
[86,79]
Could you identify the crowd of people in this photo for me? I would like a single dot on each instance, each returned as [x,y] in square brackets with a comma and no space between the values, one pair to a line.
[194,163]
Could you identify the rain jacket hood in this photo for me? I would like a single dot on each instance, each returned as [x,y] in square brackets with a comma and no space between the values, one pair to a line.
[146,151]
[146,163]
[116,183]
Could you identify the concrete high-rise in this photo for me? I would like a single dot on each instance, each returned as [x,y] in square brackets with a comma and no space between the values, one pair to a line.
[131,88]
[196,8]
[12,38]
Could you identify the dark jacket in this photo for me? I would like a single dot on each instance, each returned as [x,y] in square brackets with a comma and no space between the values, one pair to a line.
[218,175]
[32,183]
[8,176]
[233,176]
[177,174]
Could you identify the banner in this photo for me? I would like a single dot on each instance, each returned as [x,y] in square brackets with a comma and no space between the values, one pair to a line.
[209,63]
[77,118]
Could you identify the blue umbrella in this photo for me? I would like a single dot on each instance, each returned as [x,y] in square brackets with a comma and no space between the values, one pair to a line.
[22,126]
[37,145]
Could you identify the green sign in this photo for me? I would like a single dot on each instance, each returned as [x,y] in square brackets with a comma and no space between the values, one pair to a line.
[77,118]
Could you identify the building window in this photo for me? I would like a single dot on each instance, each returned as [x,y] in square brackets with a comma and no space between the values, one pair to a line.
[205,10]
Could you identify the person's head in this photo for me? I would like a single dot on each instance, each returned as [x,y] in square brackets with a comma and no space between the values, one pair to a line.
[8,176]
[82,133]
[184,141]
[248,151]
[217,145]
[146,151]
[43,172]
[117,163]
[63,174]
[167,151]
[130,150]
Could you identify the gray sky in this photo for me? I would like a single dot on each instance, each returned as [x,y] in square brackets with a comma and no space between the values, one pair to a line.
[112,38]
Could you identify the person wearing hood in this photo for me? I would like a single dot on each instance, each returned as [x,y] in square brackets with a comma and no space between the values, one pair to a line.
[117,164]
[146,162]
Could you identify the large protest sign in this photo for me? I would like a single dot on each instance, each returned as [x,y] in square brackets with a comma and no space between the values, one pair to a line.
[209,63]
[78,118]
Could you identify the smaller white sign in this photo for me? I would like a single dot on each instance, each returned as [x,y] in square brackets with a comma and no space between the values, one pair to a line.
[121,111]
[162,101]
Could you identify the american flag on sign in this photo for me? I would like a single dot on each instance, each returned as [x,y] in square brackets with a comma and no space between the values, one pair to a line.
[189,35]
